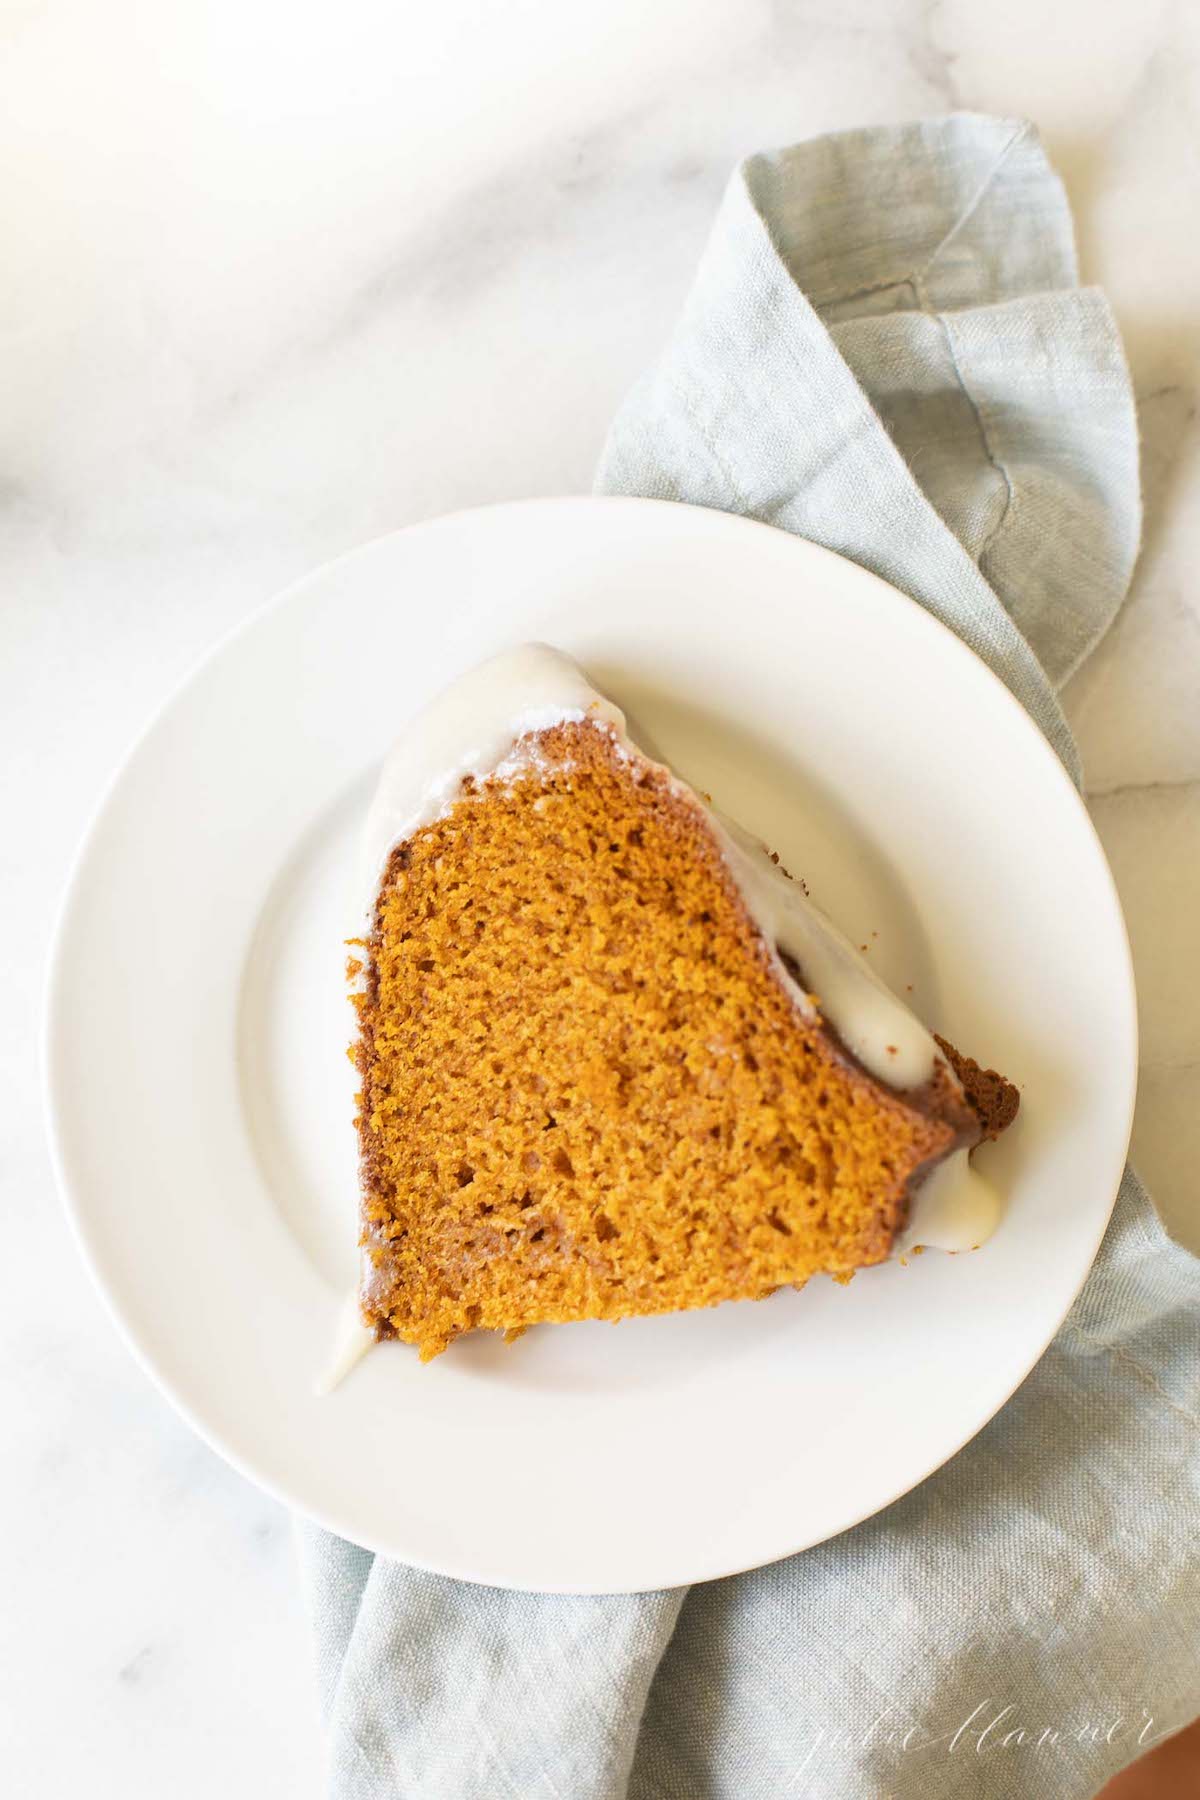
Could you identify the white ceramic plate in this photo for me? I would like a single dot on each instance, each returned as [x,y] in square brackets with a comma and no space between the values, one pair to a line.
[201,1097]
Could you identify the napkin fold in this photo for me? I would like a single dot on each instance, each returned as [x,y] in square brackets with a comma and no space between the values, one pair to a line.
[886,350]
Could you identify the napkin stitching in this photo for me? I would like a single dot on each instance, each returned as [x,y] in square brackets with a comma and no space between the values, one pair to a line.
[861,293]
[1010,494]
[1022,129]
[1019,132]
[1152,1381]
[710,444]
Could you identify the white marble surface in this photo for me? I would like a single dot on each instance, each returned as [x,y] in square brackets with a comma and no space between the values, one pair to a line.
[279,278]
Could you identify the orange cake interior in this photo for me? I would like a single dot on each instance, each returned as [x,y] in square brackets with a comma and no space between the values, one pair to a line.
[589,1088]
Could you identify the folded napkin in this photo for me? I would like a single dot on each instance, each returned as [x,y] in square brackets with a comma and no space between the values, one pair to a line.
[886,350]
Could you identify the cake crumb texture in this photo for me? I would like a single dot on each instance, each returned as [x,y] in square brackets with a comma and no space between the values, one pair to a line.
[588,1090]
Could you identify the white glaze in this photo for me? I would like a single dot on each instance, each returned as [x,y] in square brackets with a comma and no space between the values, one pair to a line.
[955,1208]
[351,1341]
[872,1023]
[471,730]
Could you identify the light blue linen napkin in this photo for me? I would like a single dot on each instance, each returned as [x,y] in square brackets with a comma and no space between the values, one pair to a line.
[886,350]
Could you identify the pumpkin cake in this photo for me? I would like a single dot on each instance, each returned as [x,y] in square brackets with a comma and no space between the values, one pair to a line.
[613,1061]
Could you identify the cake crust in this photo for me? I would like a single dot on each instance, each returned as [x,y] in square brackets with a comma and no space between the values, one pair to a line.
[990,1095]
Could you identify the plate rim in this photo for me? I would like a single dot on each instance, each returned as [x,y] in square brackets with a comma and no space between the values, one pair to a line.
[53,1025]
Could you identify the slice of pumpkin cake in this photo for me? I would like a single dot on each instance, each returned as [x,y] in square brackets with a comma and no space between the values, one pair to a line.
[612,1060]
